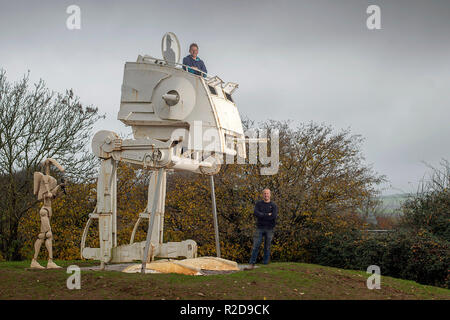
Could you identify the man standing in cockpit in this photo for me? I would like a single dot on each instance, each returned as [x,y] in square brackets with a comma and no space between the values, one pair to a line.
[192,60]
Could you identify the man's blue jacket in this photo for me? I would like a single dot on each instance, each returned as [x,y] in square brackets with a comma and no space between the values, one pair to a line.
[198,63]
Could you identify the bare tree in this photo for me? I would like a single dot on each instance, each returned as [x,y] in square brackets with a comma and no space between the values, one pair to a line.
[35,124]
[429,208]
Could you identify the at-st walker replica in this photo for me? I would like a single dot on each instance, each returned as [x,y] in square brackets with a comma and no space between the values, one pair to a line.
[180,121]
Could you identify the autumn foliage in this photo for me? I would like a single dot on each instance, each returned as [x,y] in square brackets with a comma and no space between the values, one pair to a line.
[320,184]
[320,187]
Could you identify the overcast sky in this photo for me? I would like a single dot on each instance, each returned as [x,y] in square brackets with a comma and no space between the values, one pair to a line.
[300,60]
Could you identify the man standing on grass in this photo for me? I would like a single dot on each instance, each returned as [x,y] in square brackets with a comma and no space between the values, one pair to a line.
[266,213]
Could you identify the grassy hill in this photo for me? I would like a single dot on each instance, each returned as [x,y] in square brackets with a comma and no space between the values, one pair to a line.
[274,281]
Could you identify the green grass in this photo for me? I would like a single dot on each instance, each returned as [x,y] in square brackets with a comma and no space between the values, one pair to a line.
[297,281]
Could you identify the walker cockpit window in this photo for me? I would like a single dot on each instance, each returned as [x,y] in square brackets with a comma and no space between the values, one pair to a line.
[228,97]
[212,90]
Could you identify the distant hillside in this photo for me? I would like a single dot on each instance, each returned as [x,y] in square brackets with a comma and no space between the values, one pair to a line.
[392,203]
[390,206]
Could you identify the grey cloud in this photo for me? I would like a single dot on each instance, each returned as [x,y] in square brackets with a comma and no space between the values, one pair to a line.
[300,60]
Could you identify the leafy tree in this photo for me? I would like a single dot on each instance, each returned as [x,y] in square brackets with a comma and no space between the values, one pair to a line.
[320,185]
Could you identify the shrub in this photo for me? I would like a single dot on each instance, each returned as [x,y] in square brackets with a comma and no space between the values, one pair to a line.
[421,256]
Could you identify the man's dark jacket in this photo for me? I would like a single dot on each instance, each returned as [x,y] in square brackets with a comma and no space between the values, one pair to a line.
[198,63]
[262,210]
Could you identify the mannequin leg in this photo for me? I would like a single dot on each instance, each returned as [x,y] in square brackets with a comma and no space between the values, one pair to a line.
[49,246]
[37,248]
[41,238]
